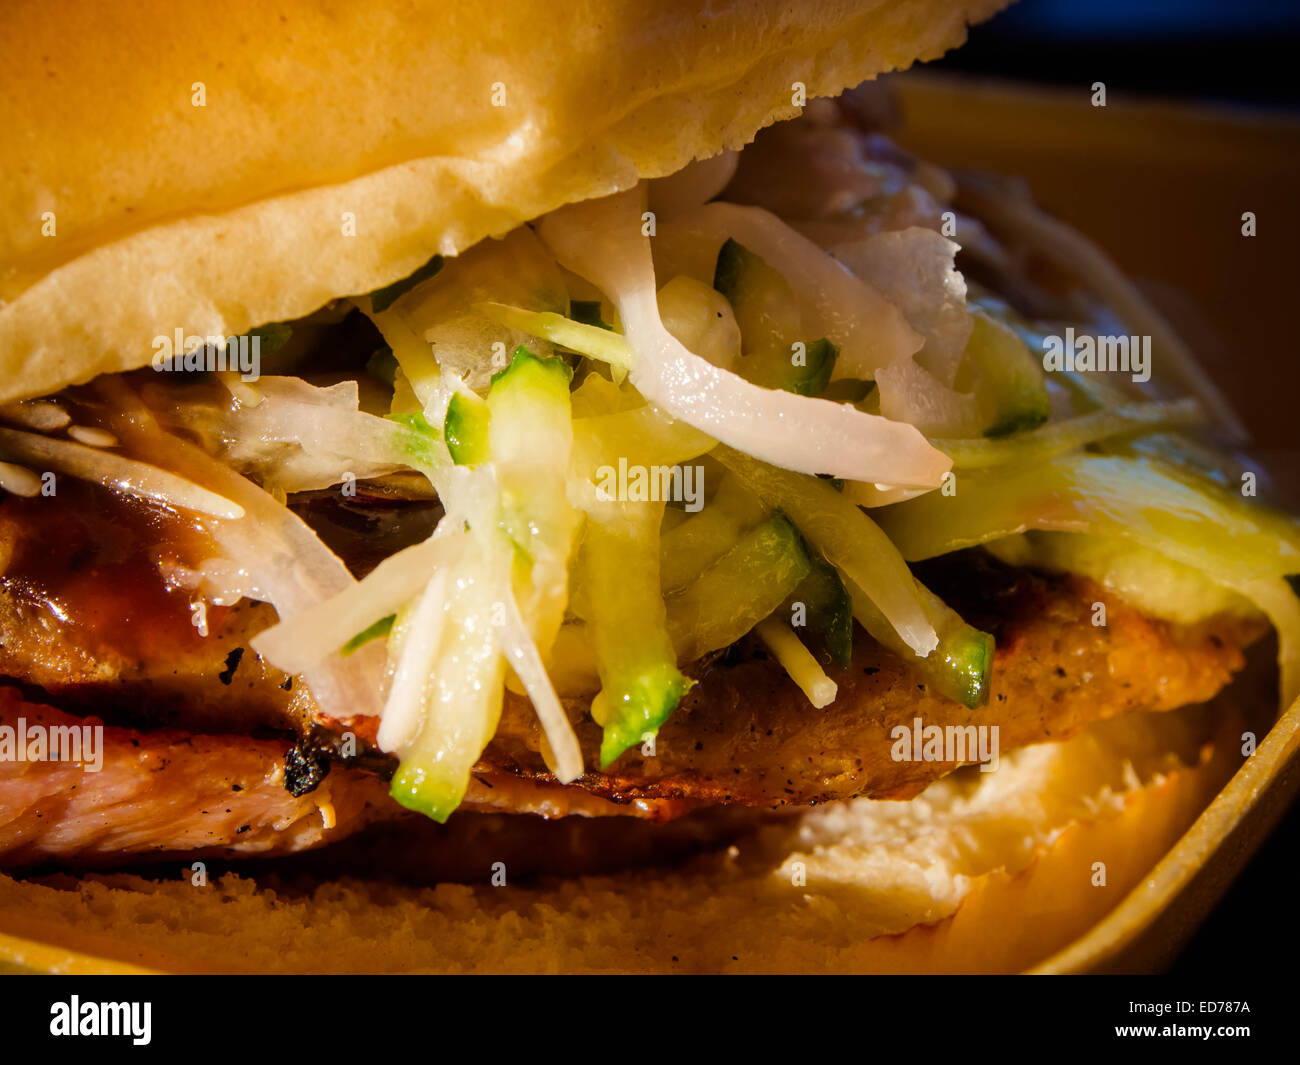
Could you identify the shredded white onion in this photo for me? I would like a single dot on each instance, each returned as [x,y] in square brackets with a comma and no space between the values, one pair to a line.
[879,495]
[302,640]
[126,475]
[298,436]
[335,442]
[241,391]
[600,240]
[1273,595]
[869,330]
[521,653]
[692,186]
[217,580]
[420,641]
[911,393]
[281,554]
[915,269]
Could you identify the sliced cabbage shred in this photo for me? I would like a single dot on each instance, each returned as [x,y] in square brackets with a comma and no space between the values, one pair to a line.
[536,375]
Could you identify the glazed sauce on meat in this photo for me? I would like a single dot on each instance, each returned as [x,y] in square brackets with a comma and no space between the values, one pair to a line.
[95,559]
[90,557]
[365,530]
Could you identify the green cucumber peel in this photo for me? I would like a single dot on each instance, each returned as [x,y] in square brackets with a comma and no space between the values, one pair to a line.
[765,303]
[422,437]
[466,429]
[527,368]
[639,706]
[378,630]
[419,790]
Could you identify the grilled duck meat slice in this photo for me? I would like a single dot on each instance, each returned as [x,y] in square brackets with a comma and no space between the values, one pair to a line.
[745,734]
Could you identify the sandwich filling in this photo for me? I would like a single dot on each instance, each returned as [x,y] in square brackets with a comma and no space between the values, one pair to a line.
[712,491]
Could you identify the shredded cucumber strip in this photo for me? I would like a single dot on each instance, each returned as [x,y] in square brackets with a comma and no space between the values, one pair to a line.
[739,590]
[462,697]
[526,433]
[1245,548]
[1056,438]
[797,661]
[849,540]
[616,586]
[378,631]
[413,355]
[961,665]
[626,618]
[591,340]
[457,684]
[703,538]
[1010,391]
[465,428]
[827,609]
[1138,498]
[530,445]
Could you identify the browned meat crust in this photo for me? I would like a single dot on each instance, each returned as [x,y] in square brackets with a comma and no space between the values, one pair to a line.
[745,734]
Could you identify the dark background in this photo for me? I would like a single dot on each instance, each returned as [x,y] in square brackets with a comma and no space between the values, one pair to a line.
[1243,53]
[1240,51]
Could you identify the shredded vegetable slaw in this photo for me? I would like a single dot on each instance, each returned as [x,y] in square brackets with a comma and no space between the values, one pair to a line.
[639,466]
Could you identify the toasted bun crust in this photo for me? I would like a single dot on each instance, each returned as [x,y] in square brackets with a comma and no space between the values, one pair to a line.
[987,873]
[221,217]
